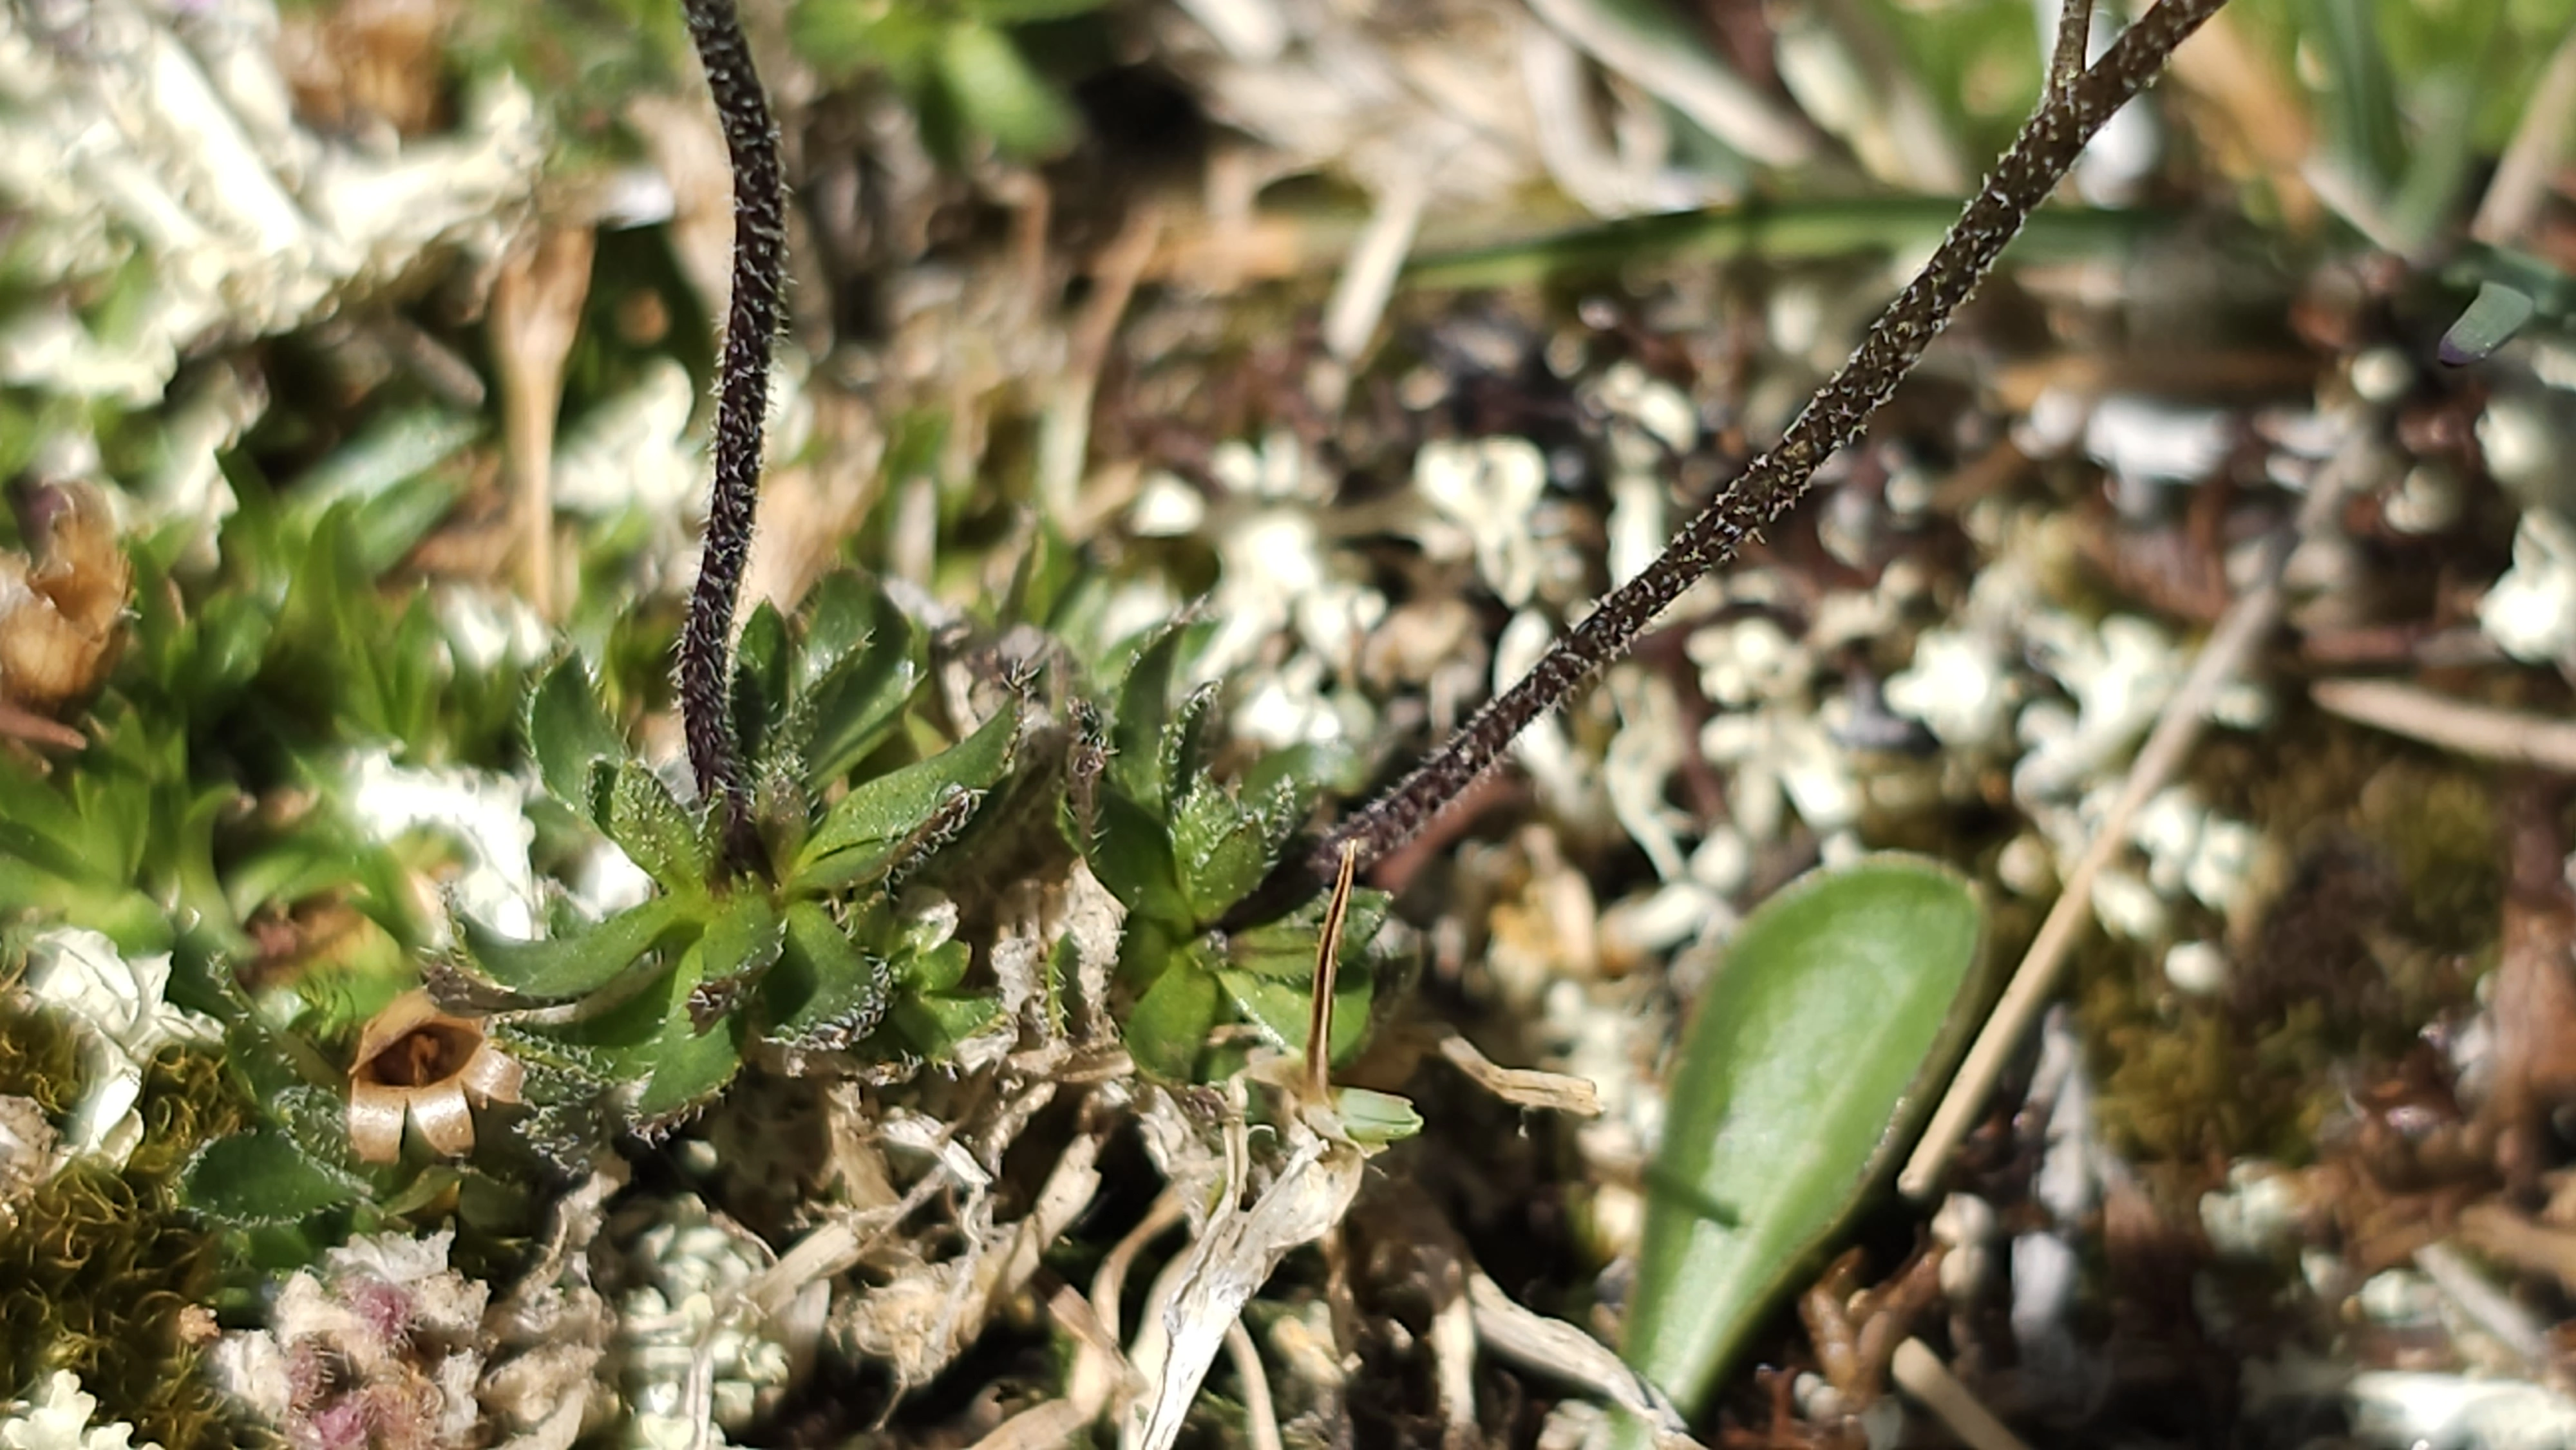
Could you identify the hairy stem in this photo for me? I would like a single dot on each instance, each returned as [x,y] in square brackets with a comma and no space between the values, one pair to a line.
[742,407]
[2040,157]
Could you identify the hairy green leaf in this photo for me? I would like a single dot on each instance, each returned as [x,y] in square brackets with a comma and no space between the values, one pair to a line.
[826,993]
[739,948]
[1285,949]
[650,825]
[260,1177]
[1132,856]
[879,814]
[1136,729]
[578,964]
[1225,846]
[860,666]
[1280,1008]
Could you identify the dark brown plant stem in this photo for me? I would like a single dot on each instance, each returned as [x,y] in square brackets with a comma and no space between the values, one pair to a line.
[2074,40]
[742,407]
[2040,157]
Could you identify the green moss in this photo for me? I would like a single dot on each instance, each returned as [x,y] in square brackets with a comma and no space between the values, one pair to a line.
[2436,822]
[100,1269]
[38,1059]
[2386,895]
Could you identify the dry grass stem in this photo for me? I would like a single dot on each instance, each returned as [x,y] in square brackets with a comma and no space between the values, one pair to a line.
[1921,1374]
[2485,1305]
[1565,1353]
[1260,1418]
[536,315]
[2507,737]
[2522,176]
[1520,1086]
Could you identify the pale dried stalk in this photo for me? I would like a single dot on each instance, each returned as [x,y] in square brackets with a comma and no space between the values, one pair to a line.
[2507,737]
[1924,1378]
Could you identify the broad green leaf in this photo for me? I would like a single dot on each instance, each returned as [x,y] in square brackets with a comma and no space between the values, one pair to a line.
[579,964]
[826,994]
[2490,322]
[261,1177]
[650,825]
[1841,1004]
[1169,1025]
[568,733]
[1280,1007]
[880,813]
[1285,949]
[993,87]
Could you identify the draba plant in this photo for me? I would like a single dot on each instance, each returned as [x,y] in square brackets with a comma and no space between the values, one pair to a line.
[1178,851]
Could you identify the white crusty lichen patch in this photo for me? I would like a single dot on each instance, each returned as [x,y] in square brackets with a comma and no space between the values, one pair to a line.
[117,1009]
[166,136]
[58,1417]
[484,817]
[2531,611]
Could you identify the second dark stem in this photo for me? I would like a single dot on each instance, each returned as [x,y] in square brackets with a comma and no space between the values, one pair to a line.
[742,407]
[2040,157]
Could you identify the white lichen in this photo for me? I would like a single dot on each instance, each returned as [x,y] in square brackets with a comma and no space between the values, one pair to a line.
[483,815]
[1958,687]
[2531,611]
[118,1012]
[59,1417]
[166,137]
[1489,488]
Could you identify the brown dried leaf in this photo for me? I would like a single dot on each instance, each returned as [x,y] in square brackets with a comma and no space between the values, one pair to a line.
[61,613]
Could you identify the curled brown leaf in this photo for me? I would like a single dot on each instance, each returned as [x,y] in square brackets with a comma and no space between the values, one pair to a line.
[62,612]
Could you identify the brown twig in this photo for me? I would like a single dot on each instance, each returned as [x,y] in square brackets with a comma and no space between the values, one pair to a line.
[2040,157]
